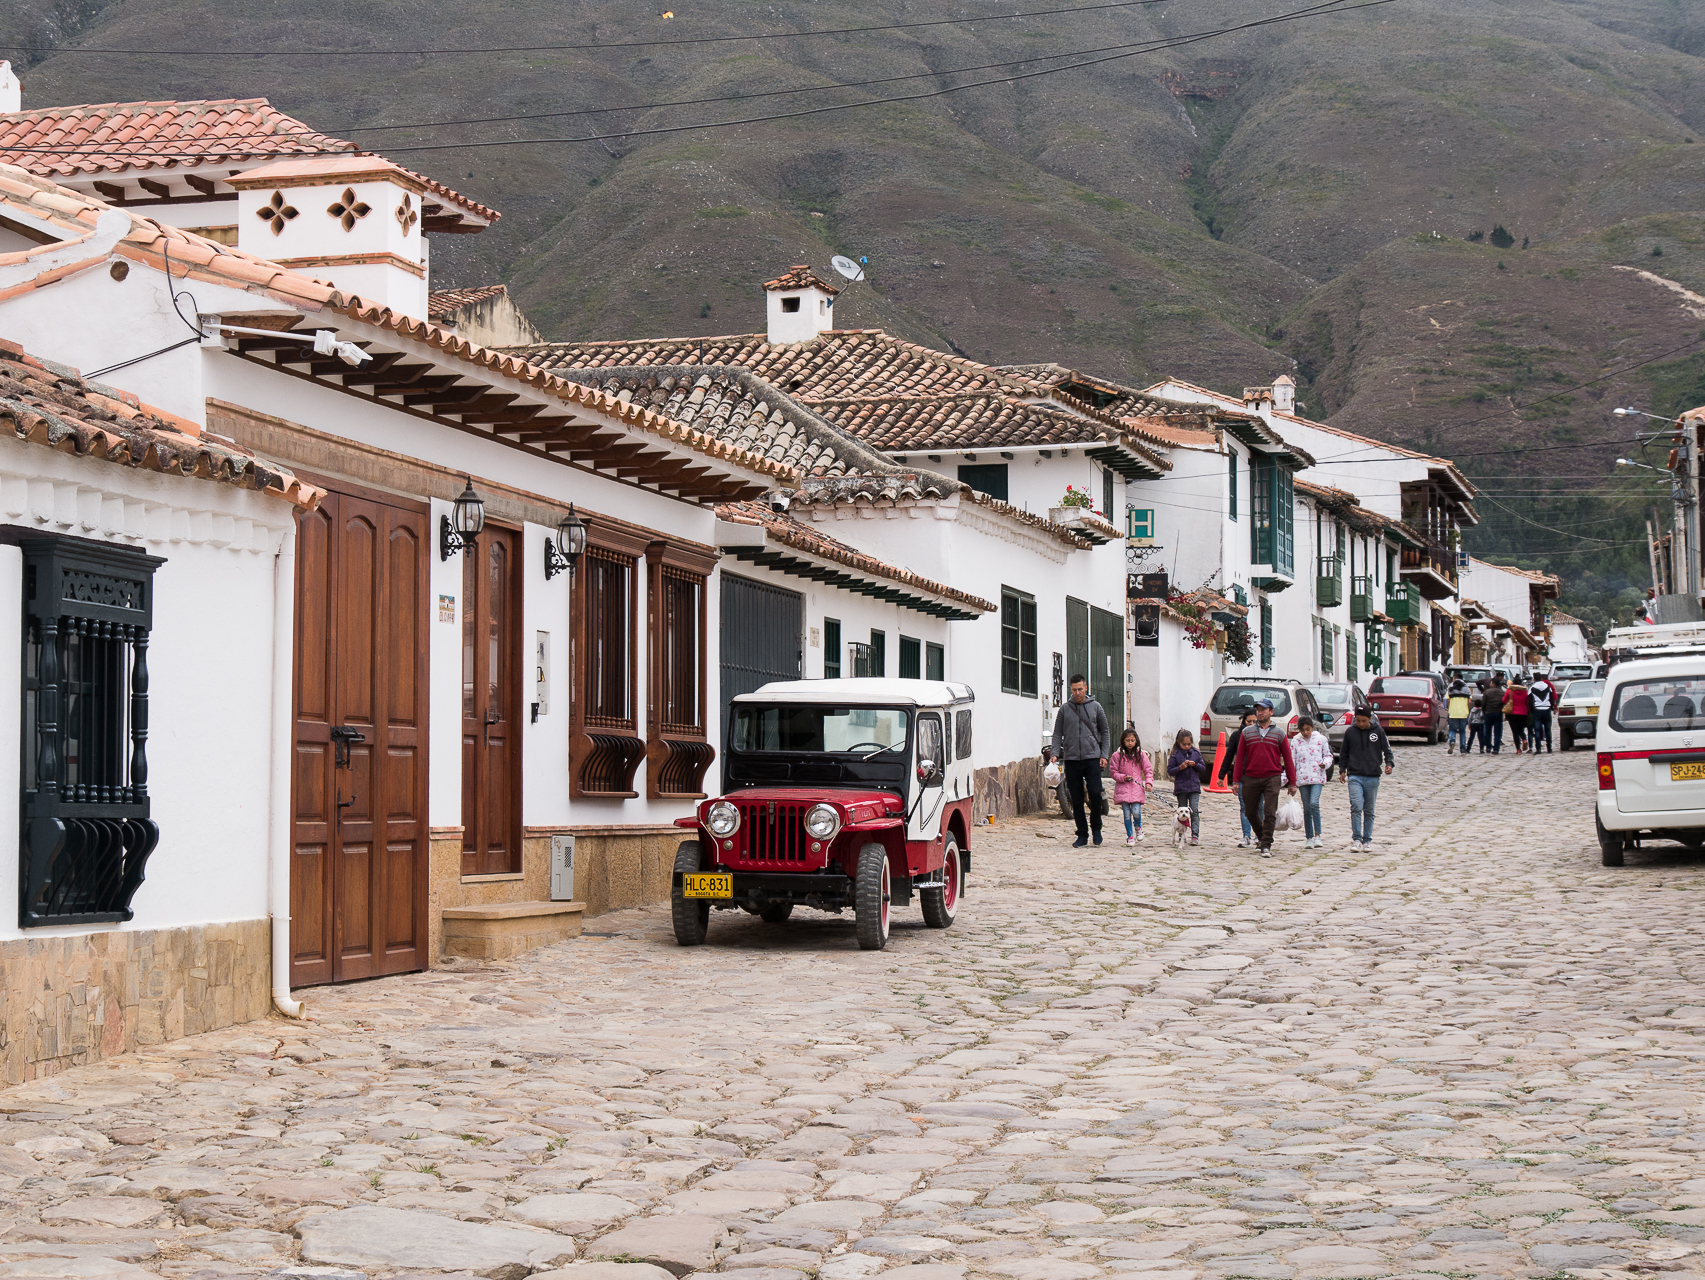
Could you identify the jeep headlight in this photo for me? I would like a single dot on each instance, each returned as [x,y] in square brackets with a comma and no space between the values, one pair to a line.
[722,818]
[823,821]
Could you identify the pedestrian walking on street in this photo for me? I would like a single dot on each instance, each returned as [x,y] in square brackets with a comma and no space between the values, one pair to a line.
[1082,744]
[1263,758]
[1229,764]
[1477,716]
[1515,711]
[1457,710]
[1313,755]
[1541,700]
[1188,772]
[1494,709]
[1133,775]
[1364,751]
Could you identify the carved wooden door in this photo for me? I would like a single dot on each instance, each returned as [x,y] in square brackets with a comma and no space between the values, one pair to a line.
[491,705]
[358,869]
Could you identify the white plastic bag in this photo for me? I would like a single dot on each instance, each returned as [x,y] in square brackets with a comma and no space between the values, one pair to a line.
[1289,816]
[1052,774]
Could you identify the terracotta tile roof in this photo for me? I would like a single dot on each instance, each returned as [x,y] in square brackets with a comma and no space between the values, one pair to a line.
[442,303]
[895,395]
[115,137]
[794,533]
[108,137]
[49,404]
[734,405]
[731,403]
[800,276]
[194,258]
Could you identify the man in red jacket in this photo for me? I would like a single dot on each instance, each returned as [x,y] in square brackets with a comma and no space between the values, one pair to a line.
[1263,758]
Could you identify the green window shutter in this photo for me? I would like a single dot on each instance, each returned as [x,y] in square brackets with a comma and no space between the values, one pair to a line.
[831,648]
[1233,488]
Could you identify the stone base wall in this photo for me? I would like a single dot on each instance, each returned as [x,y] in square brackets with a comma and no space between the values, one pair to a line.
[70,1001]
[620,867]
[1010,790]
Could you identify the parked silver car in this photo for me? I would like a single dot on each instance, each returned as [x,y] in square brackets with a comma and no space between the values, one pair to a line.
[1338,704]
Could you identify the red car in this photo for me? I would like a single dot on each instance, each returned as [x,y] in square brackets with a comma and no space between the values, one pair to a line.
[1410,704]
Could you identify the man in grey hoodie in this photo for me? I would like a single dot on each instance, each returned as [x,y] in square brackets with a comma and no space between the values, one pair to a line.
[1082,742]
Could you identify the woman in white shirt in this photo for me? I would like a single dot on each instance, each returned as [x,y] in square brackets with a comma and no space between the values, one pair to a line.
[1313,756]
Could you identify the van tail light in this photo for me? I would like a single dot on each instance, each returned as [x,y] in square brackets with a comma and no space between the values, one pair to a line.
[1606,772]
[1207,726]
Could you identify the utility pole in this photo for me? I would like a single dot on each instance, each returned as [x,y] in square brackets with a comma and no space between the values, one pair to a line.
[1652,555]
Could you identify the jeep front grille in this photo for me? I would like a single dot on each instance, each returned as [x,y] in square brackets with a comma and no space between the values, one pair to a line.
[775,834]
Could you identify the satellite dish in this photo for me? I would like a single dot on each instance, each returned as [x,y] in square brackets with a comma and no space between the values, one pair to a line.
[847,267]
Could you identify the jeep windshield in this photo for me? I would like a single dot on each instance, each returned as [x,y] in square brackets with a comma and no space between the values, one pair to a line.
[854,730]
[801,744]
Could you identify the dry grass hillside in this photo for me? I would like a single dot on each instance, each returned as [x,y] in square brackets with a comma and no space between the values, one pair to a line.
[1296,197]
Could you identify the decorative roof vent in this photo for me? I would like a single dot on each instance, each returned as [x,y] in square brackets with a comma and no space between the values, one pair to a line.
[801,305]
[352,220]
[11,92]
[1284,394]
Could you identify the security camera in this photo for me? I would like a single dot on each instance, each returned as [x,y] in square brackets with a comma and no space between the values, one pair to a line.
[779,500]
[326,344]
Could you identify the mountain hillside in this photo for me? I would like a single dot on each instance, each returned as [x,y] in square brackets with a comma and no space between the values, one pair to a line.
[1439,215]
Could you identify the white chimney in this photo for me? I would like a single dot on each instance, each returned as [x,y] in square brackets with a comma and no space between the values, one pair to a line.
[352,220]
[11,92]
[801,305]
[1284,394]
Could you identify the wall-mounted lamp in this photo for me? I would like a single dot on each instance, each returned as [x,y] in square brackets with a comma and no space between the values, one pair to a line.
[569,546]
[458,530]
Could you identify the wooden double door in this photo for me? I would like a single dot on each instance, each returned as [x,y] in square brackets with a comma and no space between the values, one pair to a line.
[359,853]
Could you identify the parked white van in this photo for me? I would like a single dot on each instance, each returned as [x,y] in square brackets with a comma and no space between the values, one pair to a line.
[1651,754]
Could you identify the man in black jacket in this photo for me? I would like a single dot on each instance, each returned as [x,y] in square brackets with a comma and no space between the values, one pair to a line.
[1365,749]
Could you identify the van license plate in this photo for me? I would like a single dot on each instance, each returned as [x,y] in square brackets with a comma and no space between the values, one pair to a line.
[1687,772]
[707,886]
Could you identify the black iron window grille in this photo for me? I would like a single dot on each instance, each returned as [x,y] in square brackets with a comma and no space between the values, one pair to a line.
[87,831]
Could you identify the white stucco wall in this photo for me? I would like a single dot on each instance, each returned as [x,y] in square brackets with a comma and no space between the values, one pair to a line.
[210,661]
[1171,686]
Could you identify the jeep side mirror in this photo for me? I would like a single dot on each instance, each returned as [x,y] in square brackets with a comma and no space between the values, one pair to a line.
[926,770]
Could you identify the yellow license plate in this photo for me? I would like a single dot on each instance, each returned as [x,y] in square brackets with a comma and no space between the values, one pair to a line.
[1398,724]
[707,886]
[1687,772]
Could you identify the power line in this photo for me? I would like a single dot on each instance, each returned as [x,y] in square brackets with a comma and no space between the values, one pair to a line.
[1328,7]
[1493,453]
[613,44]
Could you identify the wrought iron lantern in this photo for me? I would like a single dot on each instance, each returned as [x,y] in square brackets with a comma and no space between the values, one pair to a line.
[461,528]
[569,546]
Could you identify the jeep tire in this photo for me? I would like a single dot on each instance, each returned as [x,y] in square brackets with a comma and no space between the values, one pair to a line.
[1610,844]
[941,905]
[691,917]
[871,894]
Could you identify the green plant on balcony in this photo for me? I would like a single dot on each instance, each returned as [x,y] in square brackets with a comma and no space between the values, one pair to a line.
[1076,498]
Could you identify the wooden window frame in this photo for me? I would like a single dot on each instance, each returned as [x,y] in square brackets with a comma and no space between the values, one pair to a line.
[935,655]
[1019,600]
[878,652]
[916,647]
[604,751]
[677,755]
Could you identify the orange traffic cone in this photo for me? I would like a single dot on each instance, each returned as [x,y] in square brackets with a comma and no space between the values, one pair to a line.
[1214,783]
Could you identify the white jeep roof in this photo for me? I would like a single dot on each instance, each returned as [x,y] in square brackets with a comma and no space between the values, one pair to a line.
[864,691]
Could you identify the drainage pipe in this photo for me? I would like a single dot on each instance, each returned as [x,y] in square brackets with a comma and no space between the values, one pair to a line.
[278,833]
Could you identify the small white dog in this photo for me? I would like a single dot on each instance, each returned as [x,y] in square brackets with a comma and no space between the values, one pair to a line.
[1181,827]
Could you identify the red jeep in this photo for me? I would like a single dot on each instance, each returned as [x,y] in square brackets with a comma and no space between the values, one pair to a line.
[838,793]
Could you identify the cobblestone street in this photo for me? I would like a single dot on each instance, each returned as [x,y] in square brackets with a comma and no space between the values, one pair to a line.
[1472,1051]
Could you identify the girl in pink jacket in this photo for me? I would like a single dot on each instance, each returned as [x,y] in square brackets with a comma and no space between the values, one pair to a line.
[1133,775]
